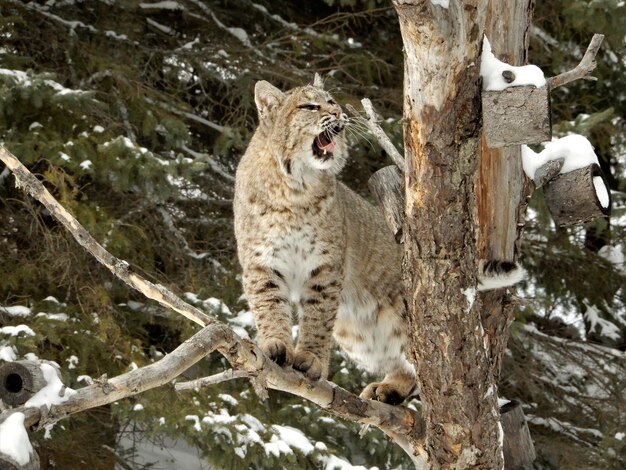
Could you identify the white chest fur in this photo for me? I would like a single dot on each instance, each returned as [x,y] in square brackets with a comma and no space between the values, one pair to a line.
[294,253]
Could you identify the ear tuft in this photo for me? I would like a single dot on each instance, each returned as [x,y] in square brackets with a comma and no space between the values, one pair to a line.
[266,97]
[318,82]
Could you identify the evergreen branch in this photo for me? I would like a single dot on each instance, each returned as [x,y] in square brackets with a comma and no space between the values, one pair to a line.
[583,69]
[243,355]
[120,268]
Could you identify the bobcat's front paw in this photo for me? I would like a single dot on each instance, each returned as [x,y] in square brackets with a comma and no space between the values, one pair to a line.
[278,351]
[309,364]
[385,392]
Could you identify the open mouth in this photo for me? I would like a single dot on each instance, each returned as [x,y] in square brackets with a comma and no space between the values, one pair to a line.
[324,145]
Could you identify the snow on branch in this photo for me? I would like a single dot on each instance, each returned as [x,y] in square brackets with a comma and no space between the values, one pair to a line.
[584,68]
[243,355]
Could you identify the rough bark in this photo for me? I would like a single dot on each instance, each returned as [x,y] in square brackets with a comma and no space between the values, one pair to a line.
[572,198]
[387,187]
[517,115]
[454,216]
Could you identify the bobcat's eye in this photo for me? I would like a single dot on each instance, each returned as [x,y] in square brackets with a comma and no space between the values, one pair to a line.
[310,106]
[331,102]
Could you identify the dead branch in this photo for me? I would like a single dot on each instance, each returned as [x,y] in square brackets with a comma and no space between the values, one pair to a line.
[243,355]
[229,374]
[583,69]
[105,390]
[372,124]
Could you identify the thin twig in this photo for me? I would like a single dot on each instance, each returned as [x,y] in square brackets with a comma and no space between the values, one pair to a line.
[584,68]
[229,374]
[381,137]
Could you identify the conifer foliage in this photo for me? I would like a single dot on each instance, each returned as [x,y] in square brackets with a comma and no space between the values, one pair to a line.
[134,115]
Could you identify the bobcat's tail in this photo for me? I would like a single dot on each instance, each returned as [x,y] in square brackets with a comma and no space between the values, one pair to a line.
[498,274]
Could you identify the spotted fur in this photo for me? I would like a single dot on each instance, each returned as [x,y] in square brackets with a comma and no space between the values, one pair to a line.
[308,244]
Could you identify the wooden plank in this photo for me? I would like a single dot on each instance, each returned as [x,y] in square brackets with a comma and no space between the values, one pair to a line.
[517,115]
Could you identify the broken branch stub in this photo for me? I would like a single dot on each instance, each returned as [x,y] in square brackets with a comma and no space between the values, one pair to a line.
[19,381]
[578,196]
[517,115]
[387,187]
[519,451]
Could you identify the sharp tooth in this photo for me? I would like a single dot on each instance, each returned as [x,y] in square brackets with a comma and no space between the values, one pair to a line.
[324,151]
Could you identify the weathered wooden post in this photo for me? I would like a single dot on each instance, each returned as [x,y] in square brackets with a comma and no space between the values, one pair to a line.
[19,381]
[516,115]
[387,187]
[578,196]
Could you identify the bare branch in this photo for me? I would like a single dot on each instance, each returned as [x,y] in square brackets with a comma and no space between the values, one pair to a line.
[139,380]
[229,374]
[584,68]
[381,137]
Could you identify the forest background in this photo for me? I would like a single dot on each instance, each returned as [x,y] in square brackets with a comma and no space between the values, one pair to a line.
[135,116]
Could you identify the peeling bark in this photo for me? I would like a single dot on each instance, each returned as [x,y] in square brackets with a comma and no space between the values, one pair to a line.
[455,216]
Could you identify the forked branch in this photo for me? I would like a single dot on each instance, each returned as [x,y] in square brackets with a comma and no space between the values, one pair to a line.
[583,69]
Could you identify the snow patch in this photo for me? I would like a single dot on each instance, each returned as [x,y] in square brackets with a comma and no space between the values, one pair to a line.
[601,191]
[604,327]
[53,316]
[293,438]
[138,407]
[86,164]
[72,361]
[16,311]
[491,72]
[14,439]
[8,354]
[574,148]
[195,420]
[16,330]
[54,393]
[442,3]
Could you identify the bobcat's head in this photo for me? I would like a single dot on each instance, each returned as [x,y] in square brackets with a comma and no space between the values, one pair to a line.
[304,127]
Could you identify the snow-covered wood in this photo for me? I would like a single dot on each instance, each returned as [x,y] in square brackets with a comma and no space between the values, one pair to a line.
[578,196]
[519,451]
[19,381]
[387,186]
[517,115]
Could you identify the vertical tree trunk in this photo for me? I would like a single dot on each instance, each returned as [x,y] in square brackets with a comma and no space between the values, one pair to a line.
[455,215]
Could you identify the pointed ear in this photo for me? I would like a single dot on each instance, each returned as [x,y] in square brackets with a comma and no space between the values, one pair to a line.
[318,82]
[266,96]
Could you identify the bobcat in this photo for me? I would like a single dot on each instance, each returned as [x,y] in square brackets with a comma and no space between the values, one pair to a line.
[308,243]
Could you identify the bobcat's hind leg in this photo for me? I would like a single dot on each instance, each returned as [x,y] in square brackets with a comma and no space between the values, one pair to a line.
[396,387]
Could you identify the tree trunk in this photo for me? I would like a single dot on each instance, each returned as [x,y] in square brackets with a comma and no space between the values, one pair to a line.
[454,216]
